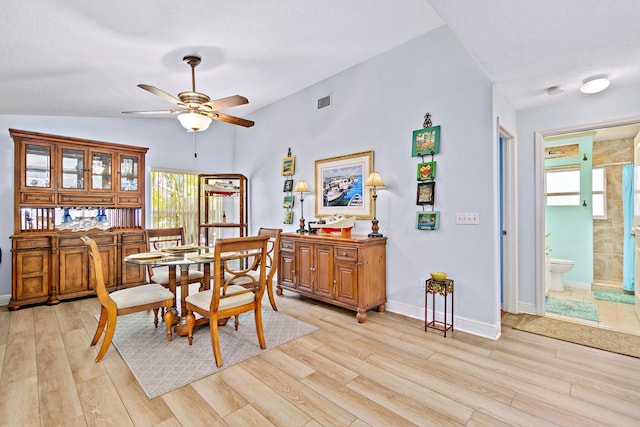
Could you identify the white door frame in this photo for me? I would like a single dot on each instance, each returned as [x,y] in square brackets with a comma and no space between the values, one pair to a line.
[509,231]
[539,137]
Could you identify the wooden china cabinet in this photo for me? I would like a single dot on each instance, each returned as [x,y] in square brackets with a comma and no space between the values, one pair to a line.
[64,188]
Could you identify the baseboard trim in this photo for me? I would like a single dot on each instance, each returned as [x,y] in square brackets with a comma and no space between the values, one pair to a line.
[4,300]
[470,326]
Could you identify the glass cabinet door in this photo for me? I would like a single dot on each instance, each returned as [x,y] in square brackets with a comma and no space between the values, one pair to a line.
[101,171]
[37,166]
[72,168]
[129,173]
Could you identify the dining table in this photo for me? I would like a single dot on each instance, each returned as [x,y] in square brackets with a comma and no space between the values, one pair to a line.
[185,257]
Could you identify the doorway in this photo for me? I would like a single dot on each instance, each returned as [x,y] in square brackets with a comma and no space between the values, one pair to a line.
[627,128]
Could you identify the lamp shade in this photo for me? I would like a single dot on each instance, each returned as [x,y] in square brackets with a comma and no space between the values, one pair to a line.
[301,187]
[374,181]
[194,122]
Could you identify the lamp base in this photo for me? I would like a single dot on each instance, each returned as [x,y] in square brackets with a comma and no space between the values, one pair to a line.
[301,229]
[374,228]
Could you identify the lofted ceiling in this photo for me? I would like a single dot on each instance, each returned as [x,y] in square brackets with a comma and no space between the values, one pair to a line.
[85,58]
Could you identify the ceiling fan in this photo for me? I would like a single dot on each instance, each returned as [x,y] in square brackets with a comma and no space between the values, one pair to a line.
[195,110]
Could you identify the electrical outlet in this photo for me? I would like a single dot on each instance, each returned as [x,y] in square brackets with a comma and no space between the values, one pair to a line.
[423,284]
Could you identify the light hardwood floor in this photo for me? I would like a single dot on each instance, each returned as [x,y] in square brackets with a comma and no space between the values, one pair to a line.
[386,372]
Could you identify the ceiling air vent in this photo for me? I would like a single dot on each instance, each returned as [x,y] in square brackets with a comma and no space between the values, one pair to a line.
[324,102]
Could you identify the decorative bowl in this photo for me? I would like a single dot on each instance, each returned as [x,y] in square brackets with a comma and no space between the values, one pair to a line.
[438,275]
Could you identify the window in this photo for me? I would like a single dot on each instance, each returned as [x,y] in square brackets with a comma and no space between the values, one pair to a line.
[599,189]
[174,201]
[563,186]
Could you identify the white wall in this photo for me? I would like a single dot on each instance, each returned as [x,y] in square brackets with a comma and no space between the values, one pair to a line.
[376,106]
[169,147]
[616,103]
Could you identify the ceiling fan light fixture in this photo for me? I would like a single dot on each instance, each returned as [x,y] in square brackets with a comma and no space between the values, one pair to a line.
[595,84]
[194,122]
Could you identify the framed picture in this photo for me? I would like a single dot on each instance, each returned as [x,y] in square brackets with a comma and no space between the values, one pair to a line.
[340,185]
[428,220]
[426,141]
[288,186]
[288,165]
[426,193]
[288,217]
[426,171]
[287,202]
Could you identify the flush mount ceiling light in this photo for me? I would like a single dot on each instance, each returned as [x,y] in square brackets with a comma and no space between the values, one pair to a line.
[595,84]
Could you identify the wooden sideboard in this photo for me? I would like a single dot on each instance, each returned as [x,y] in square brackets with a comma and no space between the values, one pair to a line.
[347,272]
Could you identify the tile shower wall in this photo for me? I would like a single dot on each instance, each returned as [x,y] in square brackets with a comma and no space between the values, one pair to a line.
[608,233]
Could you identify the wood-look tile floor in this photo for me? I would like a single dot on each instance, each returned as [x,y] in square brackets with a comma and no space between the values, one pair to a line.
[385,372]
[616,316]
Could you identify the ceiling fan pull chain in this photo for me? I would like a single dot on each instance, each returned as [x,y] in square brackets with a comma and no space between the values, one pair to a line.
[195,147]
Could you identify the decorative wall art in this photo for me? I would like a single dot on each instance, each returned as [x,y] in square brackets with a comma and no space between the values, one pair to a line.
[287,203]
[426,141]
[339,183]
[428,220]
[288,168]
[426,193]
[426,171]
[288,217]
[288,165]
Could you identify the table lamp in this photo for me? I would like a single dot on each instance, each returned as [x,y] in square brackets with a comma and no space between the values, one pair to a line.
[301,187]
[374,181]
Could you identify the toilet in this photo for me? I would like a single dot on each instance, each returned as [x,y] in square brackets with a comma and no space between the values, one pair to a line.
[558,268]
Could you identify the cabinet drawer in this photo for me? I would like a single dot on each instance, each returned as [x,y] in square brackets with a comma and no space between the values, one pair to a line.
[101,240]
[85,199]
[31,243]
[36,198]
[127,238]
[286,245]
[346,253]
[134,199]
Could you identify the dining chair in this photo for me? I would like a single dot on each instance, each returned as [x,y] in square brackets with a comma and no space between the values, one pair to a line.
[160,238]
[124,301]
[273,253]
[238,257]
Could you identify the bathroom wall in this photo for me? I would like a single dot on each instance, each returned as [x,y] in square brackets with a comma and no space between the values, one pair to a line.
[571,227]
[608,233]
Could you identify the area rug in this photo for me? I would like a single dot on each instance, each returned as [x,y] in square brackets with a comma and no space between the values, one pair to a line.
[614,296]
[161,366]
[603,339]
[578,309]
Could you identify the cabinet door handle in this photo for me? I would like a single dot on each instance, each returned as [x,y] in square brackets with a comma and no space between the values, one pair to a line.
[344,254]
[312,269]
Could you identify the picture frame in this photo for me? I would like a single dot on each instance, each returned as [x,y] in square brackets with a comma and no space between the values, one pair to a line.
[288,217]
[288,185]
[426,171]
[288,202]
[426,193]
[425,141]
[288,165]
[340,189]
[428,220]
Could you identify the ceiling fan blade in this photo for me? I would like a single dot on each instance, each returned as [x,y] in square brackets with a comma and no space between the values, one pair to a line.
[154,112]
[162,94]
[228,102]
[232,119]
